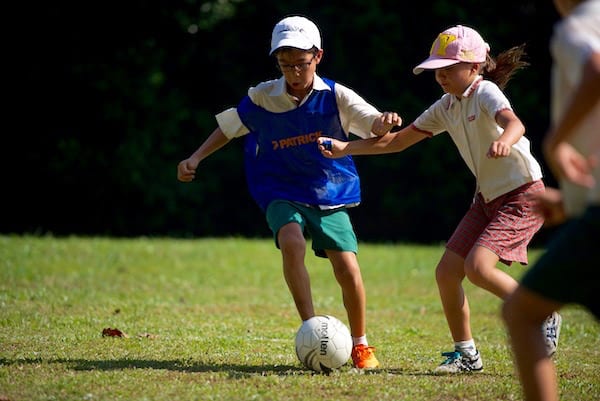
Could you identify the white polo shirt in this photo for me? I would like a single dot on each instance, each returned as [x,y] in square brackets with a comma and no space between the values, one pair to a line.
[574,38]
[471,123]
[356,115]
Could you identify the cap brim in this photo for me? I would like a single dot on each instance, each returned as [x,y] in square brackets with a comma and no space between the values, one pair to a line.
[292,42]
[434,64]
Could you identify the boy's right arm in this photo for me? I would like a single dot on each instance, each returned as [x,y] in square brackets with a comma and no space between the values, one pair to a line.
[389,143]
[186,169]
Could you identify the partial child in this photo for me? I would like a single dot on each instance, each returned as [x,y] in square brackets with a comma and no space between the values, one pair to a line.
[567,273]
[299,190]
[489,136]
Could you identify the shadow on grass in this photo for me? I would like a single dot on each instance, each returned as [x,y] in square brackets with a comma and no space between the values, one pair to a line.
[234,370]
[404,372]
[174,365]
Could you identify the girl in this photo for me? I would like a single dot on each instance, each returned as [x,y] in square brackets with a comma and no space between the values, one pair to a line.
[489,136]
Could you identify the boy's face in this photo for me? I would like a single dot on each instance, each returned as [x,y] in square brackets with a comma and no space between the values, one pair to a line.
[298,67]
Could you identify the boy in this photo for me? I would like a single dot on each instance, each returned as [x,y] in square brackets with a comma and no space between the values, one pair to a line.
[296,187]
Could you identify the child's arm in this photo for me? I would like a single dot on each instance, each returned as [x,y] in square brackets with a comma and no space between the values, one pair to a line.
[583,100]
[186,169]
[562,158]
[513,131]
[568,162]
[388,143]
[550,205]
[385,123]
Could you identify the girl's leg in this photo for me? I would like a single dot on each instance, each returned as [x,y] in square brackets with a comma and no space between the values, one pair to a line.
[481,270]
[449,275]
[293,250]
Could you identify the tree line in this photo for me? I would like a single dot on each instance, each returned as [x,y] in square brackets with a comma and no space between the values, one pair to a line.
[112,95]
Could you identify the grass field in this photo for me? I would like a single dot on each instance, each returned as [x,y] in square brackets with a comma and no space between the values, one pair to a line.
[212,319]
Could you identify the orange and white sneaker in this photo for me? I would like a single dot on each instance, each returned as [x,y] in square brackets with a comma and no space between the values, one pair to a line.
[363,357]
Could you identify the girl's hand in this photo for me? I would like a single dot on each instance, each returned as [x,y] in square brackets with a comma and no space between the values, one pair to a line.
[385,123]
[331,148]
[498,149]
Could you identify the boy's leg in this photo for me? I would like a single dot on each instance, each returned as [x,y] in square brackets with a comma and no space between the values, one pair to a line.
[286,221]
[333,237]
[524,312]
[348,275]
[293,249]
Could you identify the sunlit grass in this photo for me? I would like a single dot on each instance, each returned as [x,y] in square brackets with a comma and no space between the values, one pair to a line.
[212,319]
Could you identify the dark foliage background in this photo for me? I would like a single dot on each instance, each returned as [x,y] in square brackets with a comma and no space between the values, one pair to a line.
[109,97]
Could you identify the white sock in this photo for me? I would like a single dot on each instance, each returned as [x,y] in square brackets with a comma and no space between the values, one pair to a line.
[360,340]
[466,347]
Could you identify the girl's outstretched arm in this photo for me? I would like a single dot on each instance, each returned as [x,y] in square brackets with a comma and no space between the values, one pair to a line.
[389,143]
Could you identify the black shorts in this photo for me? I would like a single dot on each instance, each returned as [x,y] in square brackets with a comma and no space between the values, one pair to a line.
[569,271]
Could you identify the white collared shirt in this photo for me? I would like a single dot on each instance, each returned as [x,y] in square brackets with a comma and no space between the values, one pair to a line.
[356,115]
[573,40]
[471,123]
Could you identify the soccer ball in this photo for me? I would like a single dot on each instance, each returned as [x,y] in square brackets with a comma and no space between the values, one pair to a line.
[323,343]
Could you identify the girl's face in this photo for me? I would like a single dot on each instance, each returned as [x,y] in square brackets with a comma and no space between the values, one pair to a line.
[456,78]
[298,67]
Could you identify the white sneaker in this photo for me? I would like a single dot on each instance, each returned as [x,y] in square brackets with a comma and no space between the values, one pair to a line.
[457,362]
[551,330]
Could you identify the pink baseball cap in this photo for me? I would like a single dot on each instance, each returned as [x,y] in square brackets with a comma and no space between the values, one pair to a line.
[295,31]
[455,45]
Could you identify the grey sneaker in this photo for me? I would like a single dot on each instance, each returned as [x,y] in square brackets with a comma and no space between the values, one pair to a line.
[457,362]
[551,330]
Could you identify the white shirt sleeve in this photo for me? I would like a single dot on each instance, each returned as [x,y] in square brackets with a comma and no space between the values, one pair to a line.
[230,123]
[492,99]
[433,120]
[356,115]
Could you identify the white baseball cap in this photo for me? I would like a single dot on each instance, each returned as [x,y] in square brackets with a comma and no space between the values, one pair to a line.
[298,32]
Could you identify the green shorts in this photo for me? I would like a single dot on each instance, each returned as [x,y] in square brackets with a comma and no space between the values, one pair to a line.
[568,271]
[328,229]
